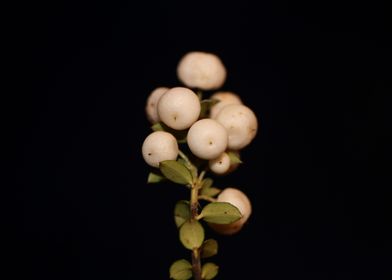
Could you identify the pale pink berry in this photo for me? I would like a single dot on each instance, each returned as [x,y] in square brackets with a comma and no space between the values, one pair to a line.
[201,70]
[179,108]
[159,146]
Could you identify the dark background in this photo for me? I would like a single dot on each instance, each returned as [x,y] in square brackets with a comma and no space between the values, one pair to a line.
[315,74]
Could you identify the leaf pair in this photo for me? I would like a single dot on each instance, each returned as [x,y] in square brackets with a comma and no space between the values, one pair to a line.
[191,231]
[182,270]
[214,212]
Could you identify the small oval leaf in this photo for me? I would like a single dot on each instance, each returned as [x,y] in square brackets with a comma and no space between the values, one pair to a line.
[192,234]
[182,213]
[207,189]
[207,183]
[211,192]
[209,248]
[175,172]
[209,271]
[181,270]
[155,178]
[234,157]
[220,213]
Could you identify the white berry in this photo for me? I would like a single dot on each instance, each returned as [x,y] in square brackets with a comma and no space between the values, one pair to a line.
[239,200]
[179,108]
[201,70]
[152,104]
[207,139]
[221,164]
[159,146]
[240,123]
[225,98]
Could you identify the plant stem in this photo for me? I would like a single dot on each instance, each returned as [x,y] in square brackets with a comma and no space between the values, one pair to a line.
[194,204]
[196,264]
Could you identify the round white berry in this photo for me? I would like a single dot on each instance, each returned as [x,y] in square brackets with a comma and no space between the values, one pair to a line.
[179,108]
[207,139]
[239,200]
[152,104]
[225,98]
[159,146]
[201,70]
[221,164]
[240,123]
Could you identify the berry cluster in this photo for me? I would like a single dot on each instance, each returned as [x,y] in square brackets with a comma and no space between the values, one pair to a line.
[211,133]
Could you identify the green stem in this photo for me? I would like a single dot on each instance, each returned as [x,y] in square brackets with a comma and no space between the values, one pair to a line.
[194,205]
[184,157]
[194,201]
[201,177]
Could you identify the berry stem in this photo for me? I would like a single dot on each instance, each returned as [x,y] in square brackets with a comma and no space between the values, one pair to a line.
[184,157]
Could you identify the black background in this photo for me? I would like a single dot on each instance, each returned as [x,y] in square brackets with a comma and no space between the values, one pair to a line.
[315,74]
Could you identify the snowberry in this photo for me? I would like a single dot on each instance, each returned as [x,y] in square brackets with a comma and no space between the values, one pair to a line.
[225,98]
[221,164]
[239,200]
[207,139]
[152,104]
[240,123]
[201,70]
[159,146]
[179,108]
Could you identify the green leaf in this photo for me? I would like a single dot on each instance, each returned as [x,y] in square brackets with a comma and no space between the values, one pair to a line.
[176,172]
[234,157]
[155,178]
[209,271]
[207,189]
[206,105]
[209,248]
[220,213]
[190,167]
[191,234]
[207,183]
[181,270]
[158,127]
[211,192]
[182,212]
[182,161]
